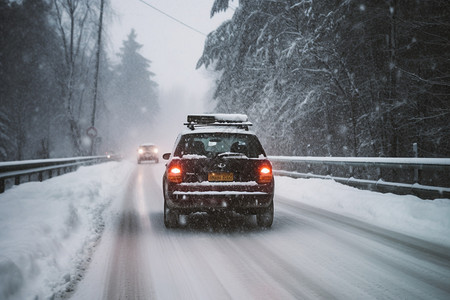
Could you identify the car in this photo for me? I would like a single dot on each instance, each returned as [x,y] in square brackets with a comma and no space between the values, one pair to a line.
[218,165]
[147,152]
[110,154]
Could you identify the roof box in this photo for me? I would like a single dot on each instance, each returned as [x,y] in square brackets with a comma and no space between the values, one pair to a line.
[202,120]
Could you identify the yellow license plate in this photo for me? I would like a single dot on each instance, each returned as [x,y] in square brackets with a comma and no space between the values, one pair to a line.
[220,176]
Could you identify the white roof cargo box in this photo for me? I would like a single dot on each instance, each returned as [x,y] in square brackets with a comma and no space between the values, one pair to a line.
[202,120]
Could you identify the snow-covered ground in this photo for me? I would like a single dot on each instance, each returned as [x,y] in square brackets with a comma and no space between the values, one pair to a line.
[49,229]
[425,219]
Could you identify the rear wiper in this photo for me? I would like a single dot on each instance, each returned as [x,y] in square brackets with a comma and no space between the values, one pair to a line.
[231,154]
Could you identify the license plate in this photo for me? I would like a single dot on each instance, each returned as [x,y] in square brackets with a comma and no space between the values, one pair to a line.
[220,176]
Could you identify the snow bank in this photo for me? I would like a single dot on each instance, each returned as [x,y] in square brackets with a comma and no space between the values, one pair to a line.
[48,229]
[425,219]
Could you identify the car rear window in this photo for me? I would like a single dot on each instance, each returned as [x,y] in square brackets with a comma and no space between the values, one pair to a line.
[211,144]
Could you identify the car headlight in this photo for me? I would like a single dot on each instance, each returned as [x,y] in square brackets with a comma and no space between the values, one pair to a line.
[140,151]
[155,150]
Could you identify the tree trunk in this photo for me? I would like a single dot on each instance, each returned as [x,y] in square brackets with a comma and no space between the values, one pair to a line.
[97,69]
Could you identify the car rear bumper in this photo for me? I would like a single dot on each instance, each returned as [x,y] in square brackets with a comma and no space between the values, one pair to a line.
[242,198]
[148,157]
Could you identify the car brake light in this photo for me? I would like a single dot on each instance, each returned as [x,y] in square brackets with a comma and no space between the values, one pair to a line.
[174,173]
[265,174]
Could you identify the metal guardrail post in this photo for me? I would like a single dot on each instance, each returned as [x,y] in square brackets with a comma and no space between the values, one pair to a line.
[416,171]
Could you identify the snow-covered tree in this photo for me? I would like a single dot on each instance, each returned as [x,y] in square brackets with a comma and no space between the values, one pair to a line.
[132,99]
[134,78]
[46,72]
[74,19]
[360,78]
[28,91]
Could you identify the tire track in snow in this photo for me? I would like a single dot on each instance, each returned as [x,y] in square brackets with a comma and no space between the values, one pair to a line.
[129,276]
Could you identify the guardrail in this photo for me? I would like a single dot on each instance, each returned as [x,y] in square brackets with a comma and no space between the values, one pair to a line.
[343,170]
[18,170]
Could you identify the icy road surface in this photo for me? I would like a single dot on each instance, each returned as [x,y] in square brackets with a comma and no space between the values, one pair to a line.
[309,253]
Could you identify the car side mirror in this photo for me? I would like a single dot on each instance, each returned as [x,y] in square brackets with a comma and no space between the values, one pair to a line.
[166,156]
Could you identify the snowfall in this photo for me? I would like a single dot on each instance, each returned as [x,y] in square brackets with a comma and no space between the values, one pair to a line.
[50,229]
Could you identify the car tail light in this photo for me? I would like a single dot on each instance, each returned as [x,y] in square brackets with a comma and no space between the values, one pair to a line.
[174,173]
[265,173]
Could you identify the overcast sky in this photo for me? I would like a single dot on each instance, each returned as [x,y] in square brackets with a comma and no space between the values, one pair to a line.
[173,49]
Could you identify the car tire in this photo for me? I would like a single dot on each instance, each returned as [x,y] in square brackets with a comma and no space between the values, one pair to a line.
[170,217]
[265,219]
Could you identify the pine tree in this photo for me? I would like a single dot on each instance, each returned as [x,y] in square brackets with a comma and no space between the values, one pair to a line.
[28,91]
[133,99]
[359,78]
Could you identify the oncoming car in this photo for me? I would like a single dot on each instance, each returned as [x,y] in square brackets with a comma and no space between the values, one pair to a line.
[147,151]
[218,165]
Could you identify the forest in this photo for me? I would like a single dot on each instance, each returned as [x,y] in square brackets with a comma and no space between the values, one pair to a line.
[319,78]
[57,81]
[337,78]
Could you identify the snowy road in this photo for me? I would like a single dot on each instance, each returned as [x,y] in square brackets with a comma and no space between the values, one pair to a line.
[309,253]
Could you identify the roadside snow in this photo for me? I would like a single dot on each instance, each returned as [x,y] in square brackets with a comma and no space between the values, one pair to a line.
[48,229]
[425,219]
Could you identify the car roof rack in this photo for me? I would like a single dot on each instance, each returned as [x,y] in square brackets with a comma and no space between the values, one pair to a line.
[239,121]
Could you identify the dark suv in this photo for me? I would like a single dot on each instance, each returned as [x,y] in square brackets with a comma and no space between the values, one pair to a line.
[218,165]
[147,151]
